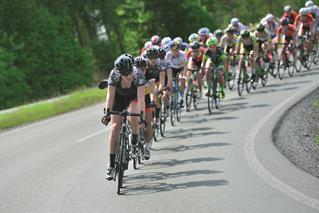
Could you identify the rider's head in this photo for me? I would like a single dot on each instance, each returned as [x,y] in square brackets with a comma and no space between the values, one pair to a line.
[124,64]
[245,34]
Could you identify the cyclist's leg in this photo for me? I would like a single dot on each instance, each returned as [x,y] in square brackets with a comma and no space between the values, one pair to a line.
[148,119]
[116,124]
[134,121]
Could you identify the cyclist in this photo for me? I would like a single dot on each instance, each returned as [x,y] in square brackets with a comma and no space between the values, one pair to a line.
[264,42]
[214,55]
[166,68]
[270,23]
[166,43]
[142,64]
[290,14]
[203,36]
[195,58]
[178,63]
[126,90]
[247,44]
[184,45]
[218,34]
[236,25]
[306,21]
[192,38]
[156,40]
[290,36]
[155,72]
[228,43]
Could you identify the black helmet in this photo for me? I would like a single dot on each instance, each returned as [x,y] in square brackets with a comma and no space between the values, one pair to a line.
[284,21]
[218,33]
[260,27]
[124,64]
[140,62]
[245,33]
[230,30]
[161,53]
[151,53]
[195,45]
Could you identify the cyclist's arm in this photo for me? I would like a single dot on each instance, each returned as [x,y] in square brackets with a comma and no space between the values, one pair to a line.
[169,74]
[239,43]
[141,99]
[162,79]
[110,97]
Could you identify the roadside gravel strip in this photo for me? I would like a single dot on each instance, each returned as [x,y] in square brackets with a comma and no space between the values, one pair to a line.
[295,133]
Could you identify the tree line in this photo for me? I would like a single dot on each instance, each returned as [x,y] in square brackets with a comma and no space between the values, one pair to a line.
[50,47]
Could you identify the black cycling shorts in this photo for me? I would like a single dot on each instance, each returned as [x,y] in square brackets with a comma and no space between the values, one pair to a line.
[122,102]
[176,72]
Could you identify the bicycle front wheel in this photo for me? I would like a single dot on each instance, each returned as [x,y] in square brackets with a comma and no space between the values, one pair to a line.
[189,96]
[163,116]
[210,98]
[240,82]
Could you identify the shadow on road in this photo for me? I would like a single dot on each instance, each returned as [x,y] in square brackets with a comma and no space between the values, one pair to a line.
[182,148]
[194,132]
[174,162]
[141,184]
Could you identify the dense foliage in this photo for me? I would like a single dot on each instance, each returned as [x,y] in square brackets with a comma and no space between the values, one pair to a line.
[51,47]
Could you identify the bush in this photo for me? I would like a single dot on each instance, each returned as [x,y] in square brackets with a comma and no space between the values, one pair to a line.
[53,61]
[13,87]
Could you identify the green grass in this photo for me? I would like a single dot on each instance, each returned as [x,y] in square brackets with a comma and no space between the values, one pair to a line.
[39,111]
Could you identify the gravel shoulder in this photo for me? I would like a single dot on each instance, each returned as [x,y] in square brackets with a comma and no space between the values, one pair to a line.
[295,133]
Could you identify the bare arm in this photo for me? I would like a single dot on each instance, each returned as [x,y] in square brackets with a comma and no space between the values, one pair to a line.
[141,99]
[110,97]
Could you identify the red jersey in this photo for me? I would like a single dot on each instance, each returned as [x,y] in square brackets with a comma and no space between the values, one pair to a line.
[307,21]
[200,55]
[291,17]
[290,31]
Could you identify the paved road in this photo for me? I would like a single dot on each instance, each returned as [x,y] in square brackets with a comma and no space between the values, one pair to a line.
[225,162]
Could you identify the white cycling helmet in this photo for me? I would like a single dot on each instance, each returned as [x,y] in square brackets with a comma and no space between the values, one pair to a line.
[287,8]
[308,4]
[178,39]
[147,45]
[269,17]
[204,31]
[303,11]
[193,37]
[234,21]
[166,40]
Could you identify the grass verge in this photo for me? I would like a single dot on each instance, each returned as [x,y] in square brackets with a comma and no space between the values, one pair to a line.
[42,110]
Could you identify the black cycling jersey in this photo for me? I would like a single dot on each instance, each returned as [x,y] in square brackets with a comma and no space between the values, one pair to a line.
[216,57]
[115,80]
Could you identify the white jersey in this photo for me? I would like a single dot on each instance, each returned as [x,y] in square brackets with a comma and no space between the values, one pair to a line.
[240,27]
[176,62]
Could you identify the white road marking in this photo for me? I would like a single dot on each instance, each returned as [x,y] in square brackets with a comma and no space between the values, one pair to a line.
[92,135]
[257,167]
